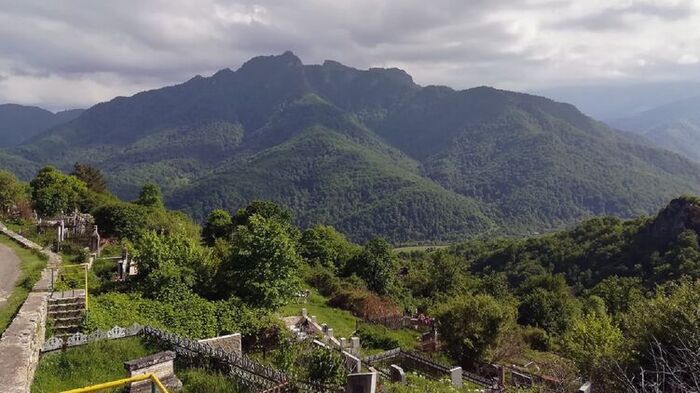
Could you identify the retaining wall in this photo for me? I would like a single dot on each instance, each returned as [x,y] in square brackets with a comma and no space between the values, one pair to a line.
[21,342]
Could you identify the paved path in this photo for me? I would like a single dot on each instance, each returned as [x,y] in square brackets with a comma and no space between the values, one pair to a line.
[9,272]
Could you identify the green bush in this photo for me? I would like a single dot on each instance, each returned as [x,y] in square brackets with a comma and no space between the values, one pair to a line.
[326,282]
[376,336]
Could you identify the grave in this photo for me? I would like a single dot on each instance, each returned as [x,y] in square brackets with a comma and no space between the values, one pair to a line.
[161,364]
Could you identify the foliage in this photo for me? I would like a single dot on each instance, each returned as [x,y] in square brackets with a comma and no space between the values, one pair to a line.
[170,261]
[150,196]
[219,225]
[199,380]
[86,365]
[121,219]
[12,191]
[53,192]
[471,325]
[547,302]
[364,304]
[262,265]
[420,384]
[324,246]
[91,176]
[376,336]
[375,265]
[325,366]
[593,342]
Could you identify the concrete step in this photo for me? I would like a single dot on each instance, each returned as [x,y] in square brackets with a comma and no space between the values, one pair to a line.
[66,307]
[65,313]
[67,300]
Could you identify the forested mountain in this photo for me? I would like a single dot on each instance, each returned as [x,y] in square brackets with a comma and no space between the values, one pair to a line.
[19,123]
[674,126]
[369,152]
[654,249]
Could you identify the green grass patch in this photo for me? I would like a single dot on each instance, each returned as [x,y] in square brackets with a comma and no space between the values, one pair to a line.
[342,322]
[199,380]
[90,364]
[31,264]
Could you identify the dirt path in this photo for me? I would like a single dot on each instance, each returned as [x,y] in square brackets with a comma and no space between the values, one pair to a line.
[9,272]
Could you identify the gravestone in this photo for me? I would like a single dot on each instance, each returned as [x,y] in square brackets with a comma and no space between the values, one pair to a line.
[586,388]
[160,364]
[456,377]
[397,374]
[361,383]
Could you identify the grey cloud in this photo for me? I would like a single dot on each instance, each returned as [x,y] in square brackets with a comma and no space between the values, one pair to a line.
[118,47]
[615,18]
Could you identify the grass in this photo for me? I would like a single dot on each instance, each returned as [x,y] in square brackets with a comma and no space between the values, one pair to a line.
[31,265]
[197,380]
[97,362]
[342,322]
[103,361]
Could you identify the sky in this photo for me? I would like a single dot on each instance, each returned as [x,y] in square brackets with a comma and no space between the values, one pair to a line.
[75,53]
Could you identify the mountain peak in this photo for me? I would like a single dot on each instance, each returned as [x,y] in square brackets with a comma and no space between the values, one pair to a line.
[285,60]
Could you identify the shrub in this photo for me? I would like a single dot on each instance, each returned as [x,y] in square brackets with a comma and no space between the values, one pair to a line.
[364,304]
[326,283]
[376,336]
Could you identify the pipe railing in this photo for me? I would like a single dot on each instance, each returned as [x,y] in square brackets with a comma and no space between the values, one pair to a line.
[155,382]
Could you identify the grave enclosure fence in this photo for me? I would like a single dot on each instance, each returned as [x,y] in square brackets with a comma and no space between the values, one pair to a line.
[257,377]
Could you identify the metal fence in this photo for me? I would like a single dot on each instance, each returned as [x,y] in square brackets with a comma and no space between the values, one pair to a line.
[415,361]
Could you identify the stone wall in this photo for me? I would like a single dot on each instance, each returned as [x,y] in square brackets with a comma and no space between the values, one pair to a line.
[229,344]
[21,342]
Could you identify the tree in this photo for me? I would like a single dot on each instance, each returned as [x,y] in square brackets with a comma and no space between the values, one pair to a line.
[91,176]
[326,367]
[12,191]
[619,293]
[121,219]
[375,265]
[547,302]
[263,264]
[219,225]
[53,192]
[266,209]
[150,196]
[472,324]
[324,246]
[168,261]
[593,342]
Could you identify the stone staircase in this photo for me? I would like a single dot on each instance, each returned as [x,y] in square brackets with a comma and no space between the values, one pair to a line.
[66,310]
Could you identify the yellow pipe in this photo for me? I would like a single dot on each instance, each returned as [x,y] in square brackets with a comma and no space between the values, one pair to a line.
[120,382]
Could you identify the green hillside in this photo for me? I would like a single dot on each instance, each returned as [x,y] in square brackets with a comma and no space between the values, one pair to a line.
[369,152]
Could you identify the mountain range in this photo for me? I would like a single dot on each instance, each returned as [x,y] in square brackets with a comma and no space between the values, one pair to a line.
[674,126]
[367,151]
[19,123]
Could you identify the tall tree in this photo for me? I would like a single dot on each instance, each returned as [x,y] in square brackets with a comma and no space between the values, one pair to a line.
[219,225]
[12,191]
[91,176]
[375,265]
[471,325]
[324,246]
[53,192]
[150,196]
[263,264]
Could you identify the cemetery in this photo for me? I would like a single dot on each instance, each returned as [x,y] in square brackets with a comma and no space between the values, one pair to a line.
[171,307]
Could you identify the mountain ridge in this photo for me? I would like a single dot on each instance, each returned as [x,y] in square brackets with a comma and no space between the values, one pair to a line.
[368,151]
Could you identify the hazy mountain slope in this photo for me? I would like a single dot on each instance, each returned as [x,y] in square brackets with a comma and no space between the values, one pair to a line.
[368,151]
[674,126]
[19,123]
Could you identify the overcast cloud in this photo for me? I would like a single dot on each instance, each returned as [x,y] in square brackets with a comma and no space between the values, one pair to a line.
[74,53]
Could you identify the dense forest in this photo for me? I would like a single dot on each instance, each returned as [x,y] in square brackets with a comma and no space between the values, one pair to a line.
[366,151]
[610,300]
